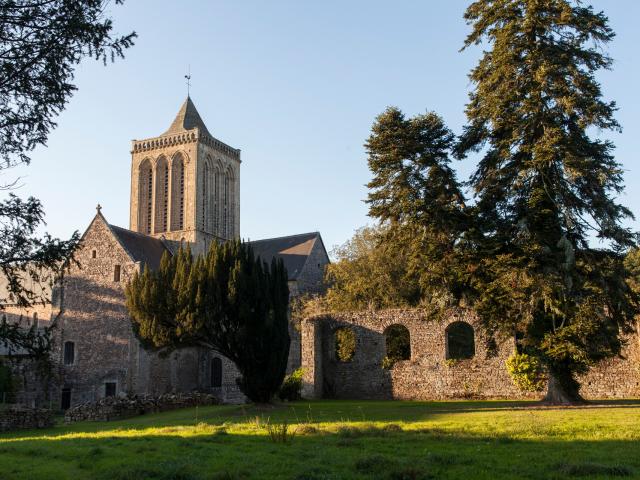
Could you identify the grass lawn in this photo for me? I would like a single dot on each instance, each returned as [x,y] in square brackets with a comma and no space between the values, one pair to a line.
[338,440]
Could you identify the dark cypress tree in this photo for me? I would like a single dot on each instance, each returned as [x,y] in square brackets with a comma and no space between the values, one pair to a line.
[545,187]
[415,194]
[229,301]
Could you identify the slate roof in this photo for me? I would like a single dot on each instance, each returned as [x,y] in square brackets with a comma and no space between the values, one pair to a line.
[187,118]
[142,248]
[293,250]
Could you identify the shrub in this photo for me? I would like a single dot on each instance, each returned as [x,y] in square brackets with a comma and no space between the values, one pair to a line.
[280,432]
[526,372]
[388,363]
[291,388]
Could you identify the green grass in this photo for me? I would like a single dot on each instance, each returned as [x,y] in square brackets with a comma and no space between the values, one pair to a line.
[338,440]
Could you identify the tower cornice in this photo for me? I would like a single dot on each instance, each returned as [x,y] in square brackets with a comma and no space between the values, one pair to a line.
[188,137]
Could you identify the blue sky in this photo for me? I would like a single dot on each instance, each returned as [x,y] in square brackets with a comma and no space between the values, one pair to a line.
[296,85]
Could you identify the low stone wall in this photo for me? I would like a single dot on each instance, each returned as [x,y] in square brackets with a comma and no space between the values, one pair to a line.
[20,418]
[428,375]
[114,408]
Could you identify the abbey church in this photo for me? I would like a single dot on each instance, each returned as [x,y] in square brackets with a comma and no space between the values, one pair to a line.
[185,189]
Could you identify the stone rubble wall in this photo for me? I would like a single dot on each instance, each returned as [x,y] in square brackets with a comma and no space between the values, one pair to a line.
[115,408]
[428,375]
[21,418]
[32,387]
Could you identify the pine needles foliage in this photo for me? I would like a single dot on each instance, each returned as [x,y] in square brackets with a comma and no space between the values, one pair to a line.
[545,188]
[539,250]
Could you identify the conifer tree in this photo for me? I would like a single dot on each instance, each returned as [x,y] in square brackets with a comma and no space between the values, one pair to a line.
[228,301]
[546,187]
[415,194]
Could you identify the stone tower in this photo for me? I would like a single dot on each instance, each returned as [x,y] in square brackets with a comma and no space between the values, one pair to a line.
[185,184]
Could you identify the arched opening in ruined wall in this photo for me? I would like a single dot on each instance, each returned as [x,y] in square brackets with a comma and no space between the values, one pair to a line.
[345,344]
[216,372]
[397,341]
[460,341]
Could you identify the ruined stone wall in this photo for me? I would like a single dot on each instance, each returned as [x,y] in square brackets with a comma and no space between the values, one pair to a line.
[116,408]
[428,375]
[32,382]
[20,418]
[616,377]
[310,281]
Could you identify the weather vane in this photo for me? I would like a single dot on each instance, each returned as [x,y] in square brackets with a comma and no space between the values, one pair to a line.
[188,77]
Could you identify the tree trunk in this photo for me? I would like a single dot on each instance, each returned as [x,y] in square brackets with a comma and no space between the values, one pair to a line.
[562,389]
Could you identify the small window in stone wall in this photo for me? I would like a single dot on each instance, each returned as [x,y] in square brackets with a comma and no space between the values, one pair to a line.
[345,343]
[460,341]
[110,389]
[65,401]
[69,353]
[398,344]
[93,254]
[216,373]
[116,273]
[35,319]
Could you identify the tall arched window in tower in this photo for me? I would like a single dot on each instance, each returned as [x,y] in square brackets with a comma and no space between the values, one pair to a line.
[231,215]
[177,192]
[145,196]
[225,205]
[162,195]
[211,173]
[205,193]
[216,198]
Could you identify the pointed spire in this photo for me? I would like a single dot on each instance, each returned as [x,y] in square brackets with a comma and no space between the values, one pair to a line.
[187,118]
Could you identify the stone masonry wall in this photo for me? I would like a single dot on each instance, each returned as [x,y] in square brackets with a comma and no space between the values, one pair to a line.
[310,281]
[32,384]
[95,318]
[311,278]
[19,418]
[428,375]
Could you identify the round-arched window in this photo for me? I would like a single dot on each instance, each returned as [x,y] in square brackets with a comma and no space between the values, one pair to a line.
[398,343]
[345,344]
[460,342]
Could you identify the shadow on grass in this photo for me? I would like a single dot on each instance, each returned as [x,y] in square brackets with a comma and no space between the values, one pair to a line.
[350,451]
[353,411]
